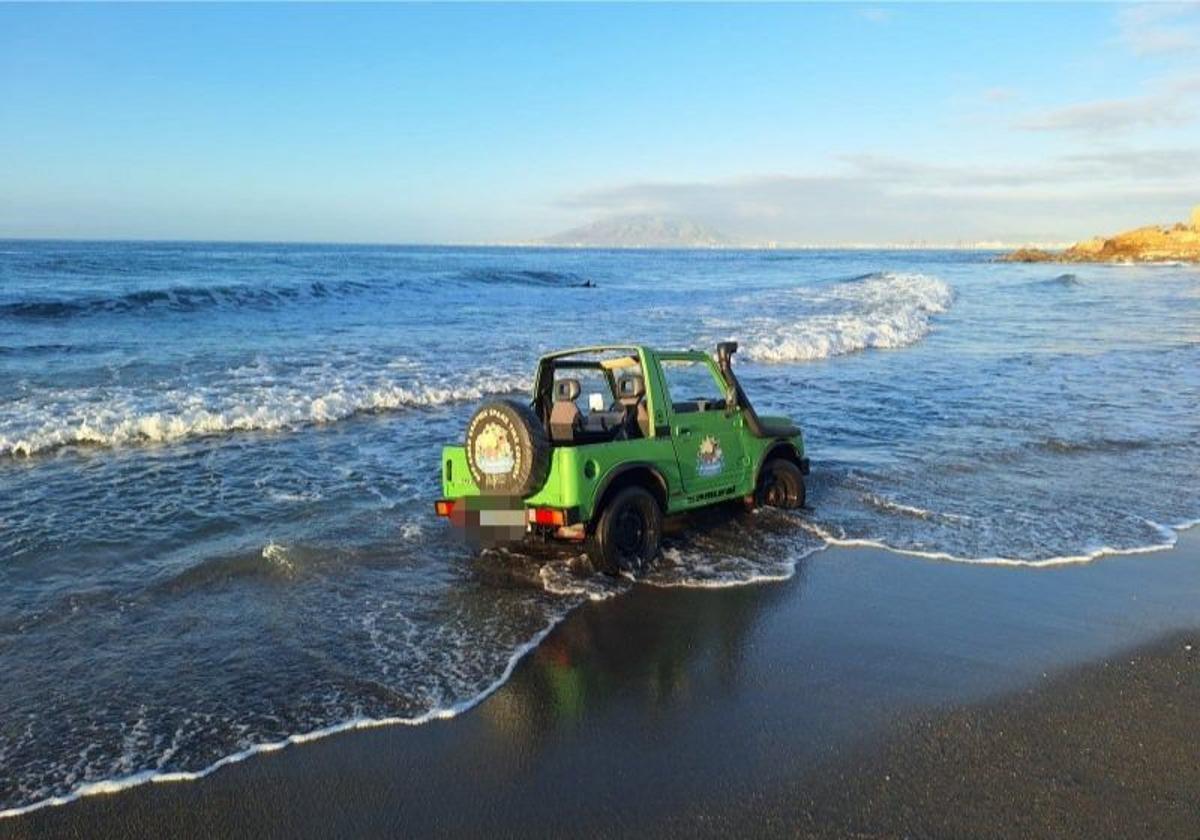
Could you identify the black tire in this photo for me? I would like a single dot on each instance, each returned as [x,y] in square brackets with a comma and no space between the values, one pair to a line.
[507,450]
[780,485]
[628,534]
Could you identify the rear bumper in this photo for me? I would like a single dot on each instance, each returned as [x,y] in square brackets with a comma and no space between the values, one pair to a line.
[487,522]
[493,520]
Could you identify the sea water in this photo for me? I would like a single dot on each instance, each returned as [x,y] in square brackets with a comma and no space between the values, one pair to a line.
[218,462]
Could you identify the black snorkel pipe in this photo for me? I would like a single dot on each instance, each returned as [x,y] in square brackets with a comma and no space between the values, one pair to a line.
[725,351]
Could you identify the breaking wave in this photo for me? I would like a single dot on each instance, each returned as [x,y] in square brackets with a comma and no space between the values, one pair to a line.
[876,311]
[119,421]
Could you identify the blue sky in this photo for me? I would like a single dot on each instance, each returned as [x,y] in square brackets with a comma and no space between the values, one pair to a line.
[463,123]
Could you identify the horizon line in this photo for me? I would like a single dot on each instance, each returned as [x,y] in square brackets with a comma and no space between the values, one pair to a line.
[845,246]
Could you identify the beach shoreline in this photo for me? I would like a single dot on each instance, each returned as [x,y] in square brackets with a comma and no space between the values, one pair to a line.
[693,709]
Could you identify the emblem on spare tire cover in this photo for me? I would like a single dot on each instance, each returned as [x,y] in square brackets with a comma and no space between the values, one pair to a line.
[507,450]
[493,450]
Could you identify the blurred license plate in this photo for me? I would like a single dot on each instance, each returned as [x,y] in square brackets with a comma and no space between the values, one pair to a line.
[502,518]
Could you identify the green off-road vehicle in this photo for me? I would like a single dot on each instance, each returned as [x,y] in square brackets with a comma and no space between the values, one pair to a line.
[663,432]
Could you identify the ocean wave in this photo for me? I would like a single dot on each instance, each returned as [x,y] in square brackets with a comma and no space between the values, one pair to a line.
[525,277]
[1059,446]
[273,562]
[877,311]
[53,349]
[197,297]
[119,422]
[179,299]
[890,506]
[1168,533]
[114,785]
[1061,281]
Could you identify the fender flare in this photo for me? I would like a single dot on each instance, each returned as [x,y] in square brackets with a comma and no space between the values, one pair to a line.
[780,448]
[661,488]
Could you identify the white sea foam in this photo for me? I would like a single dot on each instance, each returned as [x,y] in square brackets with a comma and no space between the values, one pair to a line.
[1170,535]
[561,578]
[703,570]
[892,506]
[294,498]
[92,418]
[881,311]
[277,556]
[412,531]
[106,786]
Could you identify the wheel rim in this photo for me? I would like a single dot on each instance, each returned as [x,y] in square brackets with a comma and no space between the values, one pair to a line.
[630,532]
[777,493]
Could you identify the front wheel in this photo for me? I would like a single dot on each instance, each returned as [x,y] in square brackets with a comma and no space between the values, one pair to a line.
[780,485]
[628,533]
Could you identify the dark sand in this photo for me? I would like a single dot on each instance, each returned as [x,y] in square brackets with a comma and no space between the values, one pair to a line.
[871,695]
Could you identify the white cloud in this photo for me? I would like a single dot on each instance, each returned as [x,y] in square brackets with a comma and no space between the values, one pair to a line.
[1140,164]
[1170,105]
[1112,115]
[883,199]
[1160,28]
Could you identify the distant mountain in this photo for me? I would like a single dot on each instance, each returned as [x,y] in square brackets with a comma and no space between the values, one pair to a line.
[640,232]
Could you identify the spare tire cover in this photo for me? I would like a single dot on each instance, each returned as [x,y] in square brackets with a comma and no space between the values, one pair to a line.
[507,450]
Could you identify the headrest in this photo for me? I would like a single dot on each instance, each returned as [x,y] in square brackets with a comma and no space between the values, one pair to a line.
[566,390]
[631,387]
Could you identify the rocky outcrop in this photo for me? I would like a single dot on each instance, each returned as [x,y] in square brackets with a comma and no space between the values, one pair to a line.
[1030,255]
[1177,243]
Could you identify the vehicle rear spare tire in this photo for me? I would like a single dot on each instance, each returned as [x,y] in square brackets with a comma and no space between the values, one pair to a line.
[628,534]
[507,450]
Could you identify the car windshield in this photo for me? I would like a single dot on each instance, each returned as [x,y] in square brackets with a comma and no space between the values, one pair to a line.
[692,385]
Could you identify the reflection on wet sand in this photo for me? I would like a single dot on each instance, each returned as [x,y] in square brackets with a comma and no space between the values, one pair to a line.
[611,656]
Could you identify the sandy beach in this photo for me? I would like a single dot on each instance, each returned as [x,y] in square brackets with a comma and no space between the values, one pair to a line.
[873,694]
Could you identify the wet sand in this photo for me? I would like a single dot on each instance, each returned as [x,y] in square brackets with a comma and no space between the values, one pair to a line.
[873,694]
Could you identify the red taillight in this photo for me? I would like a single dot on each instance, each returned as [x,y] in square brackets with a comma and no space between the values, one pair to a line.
[444,507]
[547,516]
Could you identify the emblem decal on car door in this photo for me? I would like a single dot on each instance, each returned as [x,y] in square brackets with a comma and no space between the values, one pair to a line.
[710,460]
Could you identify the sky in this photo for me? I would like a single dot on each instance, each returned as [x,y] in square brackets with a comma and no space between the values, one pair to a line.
[802,124]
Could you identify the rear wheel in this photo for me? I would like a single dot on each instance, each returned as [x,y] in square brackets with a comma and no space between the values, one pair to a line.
[780,485]
[628,533]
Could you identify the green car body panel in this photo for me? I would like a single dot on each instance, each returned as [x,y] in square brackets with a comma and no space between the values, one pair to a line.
[689,459]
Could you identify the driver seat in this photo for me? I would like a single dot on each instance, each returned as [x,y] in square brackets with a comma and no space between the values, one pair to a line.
[565,416]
